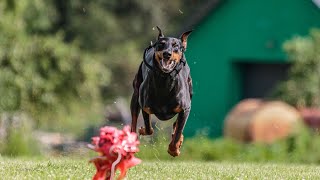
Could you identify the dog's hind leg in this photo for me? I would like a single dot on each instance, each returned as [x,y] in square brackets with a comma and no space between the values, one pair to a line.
[177,136]
[147,130]
[135,110]
[134,106]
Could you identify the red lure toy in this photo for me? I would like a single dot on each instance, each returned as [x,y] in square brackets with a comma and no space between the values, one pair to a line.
[116,149]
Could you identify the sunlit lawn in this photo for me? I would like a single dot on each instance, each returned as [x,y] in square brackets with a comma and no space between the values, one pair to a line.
[64,168]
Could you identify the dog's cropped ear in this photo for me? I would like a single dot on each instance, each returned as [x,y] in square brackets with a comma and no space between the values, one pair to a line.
[184,38]
[160,33]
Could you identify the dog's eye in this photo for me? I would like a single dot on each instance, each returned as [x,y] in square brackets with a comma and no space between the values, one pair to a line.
[175,47]
[161,45]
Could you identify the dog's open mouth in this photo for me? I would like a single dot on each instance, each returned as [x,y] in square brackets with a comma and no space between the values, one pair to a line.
[167,65]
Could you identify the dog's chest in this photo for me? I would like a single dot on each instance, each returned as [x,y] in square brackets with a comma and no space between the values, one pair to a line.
[163,94]
[159,90]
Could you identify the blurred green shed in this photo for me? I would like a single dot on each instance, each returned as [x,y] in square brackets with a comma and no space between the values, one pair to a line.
[235,52]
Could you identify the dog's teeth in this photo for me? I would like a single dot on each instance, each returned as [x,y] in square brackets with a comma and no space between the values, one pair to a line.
[161,61]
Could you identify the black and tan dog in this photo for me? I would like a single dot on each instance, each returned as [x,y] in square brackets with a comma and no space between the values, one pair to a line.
[163,87]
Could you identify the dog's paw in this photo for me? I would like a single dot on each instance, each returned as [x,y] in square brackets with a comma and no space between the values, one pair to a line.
[143,132]
[173,151]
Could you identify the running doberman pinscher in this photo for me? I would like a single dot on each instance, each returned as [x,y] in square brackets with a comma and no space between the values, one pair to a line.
[163,87]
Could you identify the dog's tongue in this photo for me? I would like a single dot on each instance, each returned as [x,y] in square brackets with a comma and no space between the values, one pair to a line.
[166,65]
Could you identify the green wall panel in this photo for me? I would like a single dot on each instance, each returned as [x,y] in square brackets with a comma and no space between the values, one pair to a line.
[238,30]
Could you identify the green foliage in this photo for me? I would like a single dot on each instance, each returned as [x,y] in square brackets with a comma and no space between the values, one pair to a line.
[305,72]
[40,73]
[300,148]
[117,21]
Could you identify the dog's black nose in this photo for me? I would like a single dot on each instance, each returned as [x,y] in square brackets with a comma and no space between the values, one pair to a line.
[166,55]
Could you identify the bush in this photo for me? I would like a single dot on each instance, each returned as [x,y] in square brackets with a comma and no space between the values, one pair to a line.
[16,135]
[304,52]
[299,148]
[41,74]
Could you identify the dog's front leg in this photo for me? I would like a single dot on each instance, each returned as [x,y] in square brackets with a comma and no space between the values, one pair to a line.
[147,129]
[177,137]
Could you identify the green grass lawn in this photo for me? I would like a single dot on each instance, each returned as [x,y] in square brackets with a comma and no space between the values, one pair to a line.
[64,168]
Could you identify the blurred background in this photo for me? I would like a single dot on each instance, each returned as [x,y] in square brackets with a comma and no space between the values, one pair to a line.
[66,69]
